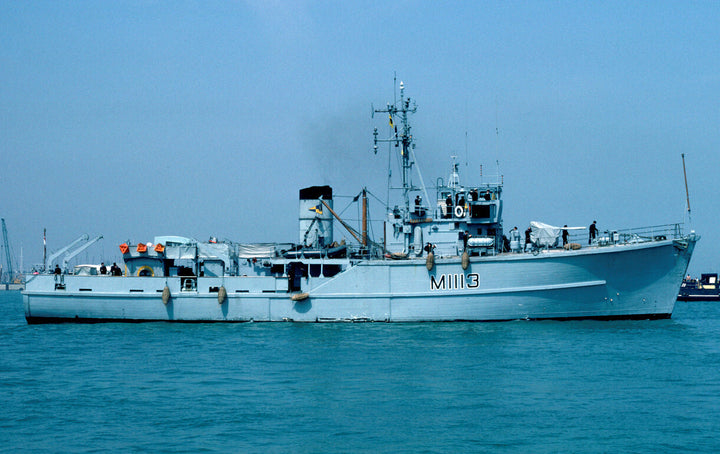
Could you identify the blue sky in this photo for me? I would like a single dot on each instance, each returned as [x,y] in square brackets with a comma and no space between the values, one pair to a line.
[135,119]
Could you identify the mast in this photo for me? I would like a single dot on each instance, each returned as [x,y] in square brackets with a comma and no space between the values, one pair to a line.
[364,218]
[403,141]
[687,193]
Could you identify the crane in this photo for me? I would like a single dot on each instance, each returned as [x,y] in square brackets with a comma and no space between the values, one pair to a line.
[64,250]
[72,254]
[7,251]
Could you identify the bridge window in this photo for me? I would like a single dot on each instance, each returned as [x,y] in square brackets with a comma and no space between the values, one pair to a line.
[480,211]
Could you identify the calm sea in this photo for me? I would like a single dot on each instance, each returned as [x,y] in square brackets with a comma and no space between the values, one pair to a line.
[627,386]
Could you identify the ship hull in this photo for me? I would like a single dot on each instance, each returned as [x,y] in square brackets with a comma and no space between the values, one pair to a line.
[615,282]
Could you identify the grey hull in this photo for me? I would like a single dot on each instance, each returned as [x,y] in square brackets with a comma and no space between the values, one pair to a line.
[614,282]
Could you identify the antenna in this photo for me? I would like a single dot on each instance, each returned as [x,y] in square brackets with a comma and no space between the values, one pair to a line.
[402,140]
[687,193]
[497,128]
[394,87]
[466,148]
[466,134]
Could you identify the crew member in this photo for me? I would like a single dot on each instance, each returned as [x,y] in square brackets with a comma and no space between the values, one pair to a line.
[527,238]
[515,236]
[466,236]
[593,232]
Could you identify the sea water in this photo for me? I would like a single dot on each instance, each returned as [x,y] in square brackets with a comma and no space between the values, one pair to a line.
[574,386]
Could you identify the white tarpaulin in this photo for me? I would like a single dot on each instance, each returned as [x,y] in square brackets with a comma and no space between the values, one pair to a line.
[256,250]
[546,234]
[221,251]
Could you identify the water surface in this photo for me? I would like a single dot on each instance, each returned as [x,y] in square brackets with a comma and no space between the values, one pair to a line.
[574,386]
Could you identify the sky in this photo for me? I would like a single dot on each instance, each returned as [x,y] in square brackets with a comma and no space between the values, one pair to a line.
[131,119]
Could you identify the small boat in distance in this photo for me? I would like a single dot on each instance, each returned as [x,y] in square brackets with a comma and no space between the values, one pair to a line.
[443,255]
[704,289]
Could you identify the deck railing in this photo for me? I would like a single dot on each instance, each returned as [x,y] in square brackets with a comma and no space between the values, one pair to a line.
[634,235]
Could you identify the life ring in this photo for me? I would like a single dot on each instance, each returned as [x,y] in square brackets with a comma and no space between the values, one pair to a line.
[459,212]
[144,270]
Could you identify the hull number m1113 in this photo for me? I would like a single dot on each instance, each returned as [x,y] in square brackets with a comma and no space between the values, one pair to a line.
[454,281]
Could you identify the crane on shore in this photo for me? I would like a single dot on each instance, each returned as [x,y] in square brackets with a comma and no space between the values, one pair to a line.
[7,252]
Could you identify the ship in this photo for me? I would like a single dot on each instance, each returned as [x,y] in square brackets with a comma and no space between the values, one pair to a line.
[706,288]
[443,255]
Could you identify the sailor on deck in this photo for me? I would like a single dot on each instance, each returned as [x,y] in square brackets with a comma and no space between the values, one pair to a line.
[528,240]
[593,232]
